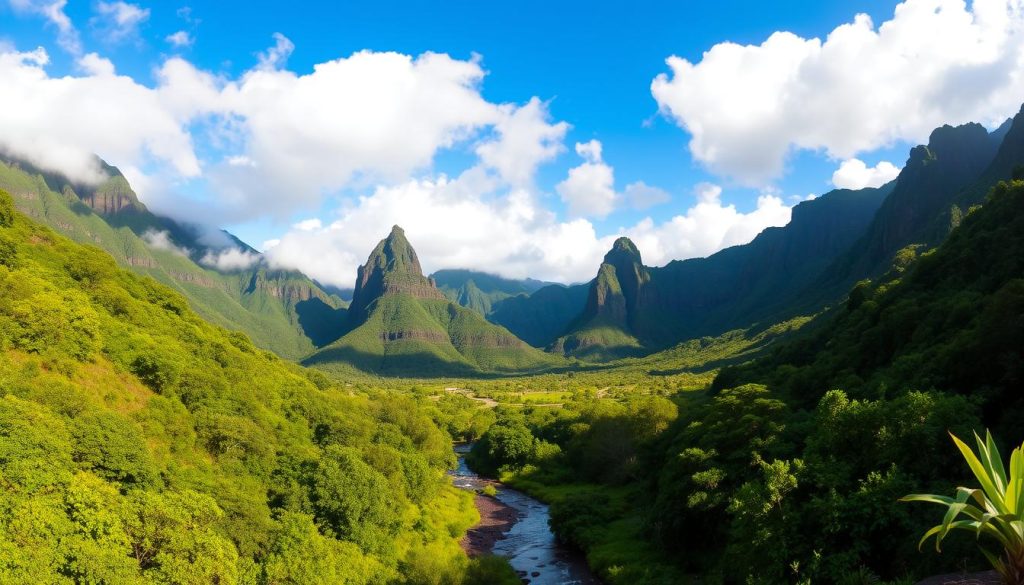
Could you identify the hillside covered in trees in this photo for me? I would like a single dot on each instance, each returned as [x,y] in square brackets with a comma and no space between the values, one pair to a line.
[140,444]
[790,468]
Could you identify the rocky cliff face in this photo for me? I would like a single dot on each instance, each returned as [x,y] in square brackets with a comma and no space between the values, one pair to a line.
[112,196]
[400,323]
[952,160]
[391,269]
[958,166]
[615,295]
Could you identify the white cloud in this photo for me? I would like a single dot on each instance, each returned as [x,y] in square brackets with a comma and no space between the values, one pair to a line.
[230,259]
[180,39]
[590,151]
[589,190]
[308,225]
[366,118]
[640,195]
[934,62]
[855,174]
[161,240]
[119,20]
[60,123]
[281,141]
[96,66]
[707,227]
[526,139]
[53,11]
[275,57]
[453,224]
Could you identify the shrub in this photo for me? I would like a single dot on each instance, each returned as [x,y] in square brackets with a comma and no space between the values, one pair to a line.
[995,511]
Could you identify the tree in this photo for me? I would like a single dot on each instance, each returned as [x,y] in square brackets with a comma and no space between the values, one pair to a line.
[352,499]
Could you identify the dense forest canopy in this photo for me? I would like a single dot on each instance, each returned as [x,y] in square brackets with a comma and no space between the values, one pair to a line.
[139,444]
[791,467]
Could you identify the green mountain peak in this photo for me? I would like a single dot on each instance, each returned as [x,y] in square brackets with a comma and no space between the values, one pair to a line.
[623,248]
[392,268]
[400,323]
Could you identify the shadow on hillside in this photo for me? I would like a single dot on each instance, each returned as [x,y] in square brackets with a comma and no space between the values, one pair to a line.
[322,323]
[754,352]
[412,365]
[423,365]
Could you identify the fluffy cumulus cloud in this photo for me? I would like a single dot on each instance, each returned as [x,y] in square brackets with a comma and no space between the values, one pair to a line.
[863,87]
[525,139]
[509,233]
[369,117]
[589,190]
[855,174]
[61,123]
[284,140]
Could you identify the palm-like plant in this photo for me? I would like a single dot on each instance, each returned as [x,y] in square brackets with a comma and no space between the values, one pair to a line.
[996,510]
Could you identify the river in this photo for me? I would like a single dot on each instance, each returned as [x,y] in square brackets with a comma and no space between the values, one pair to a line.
[529,545]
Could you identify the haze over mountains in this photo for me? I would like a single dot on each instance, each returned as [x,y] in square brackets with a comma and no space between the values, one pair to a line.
[224,279]
[462,321]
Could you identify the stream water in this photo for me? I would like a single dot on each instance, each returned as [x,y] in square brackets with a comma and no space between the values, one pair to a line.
[529,546]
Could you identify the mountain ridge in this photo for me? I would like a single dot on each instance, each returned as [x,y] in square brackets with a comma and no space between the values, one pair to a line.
[280,310]
[400,323]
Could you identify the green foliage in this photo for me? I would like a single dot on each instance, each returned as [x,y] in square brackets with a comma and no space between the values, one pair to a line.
[6,210]
[140,444]
[282,311]
[351,499]
[995,511]
[113,448]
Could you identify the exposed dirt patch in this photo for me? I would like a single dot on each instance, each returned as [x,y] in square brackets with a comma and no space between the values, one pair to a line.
[495,520]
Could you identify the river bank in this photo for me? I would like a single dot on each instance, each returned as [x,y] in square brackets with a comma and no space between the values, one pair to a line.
[515,526]
[496,519]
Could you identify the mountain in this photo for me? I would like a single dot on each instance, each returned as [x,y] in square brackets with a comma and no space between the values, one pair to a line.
[853,412]
[481,291]
[630,308]
[830,243]
[280,310]
[141,444]
[953,320]
[400,323]
[605,329]
[939,182]
[539,319]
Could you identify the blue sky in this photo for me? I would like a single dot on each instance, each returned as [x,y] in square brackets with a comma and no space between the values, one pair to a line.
[591,64]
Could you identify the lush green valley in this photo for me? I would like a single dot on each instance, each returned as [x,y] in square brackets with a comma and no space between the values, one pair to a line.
[727,293]
[140,444]
[790,467]
[185,454]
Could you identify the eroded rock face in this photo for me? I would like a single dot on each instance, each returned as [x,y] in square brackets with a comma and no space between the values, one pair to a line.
[112,196]
[618,291]
[391,269]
